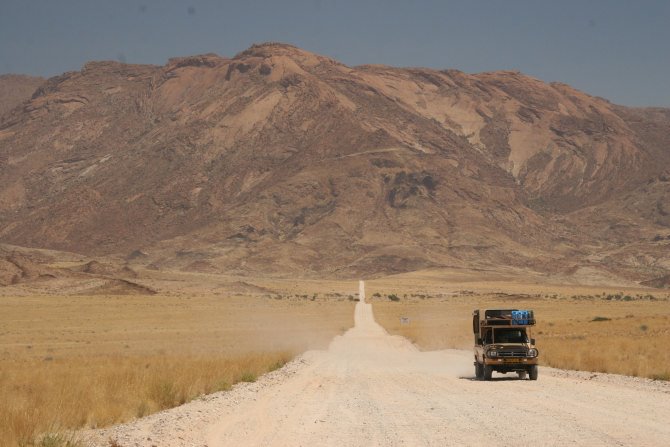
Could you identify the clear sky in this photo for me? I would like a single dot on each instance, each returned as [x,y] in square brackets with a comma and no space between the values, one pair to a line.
[616,49]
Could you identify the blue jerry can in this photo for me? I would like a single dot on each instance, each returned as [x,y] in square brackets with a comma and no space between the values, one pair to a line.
[520,316]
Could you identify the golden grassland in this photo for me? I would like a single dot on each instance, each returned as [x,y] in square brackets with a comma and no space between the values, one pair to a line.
[76,361]
[69,362]
[92,392]
[613,330]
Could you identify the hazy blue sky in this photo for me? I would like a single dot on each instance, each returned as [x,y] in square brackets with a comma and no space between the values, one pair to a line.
[616,49]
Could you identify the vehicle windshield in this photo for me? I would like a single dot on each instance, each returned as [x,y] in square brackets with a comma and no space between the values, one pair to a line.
[508,335]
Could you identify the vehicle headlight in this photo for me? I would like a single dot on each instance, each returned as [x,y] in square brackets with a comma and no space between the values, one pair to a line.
[532,352]
[492,353]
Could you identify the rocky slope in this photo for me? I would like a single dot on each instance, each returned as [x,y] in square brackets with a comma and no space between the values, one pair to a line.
[283,161]
[15,89]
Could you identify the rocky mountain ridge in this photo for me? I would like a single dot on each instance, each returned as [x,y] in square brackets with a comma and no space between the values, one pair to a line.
[282,161]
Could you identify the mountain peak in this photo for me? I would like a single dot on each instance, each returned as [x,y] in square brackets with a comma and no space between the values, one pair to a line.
[268,50]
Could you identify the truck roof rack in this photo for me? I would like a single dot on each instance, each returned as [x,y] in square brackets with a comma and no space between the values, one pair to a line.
[508,317]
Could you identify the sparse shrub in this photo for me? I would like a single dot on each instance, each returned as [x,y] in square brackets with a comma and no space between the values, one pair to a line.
[164,394]
[663,376]
[57,440]
[601,319]
[223,385]
[377,295]
[628,298]
[276,365]
[248,377]
[142,409]
[393,297]
[644,327]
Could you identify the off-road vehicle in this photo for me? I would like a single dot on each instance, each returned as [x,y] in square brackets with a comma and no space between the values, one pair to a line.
[503,343]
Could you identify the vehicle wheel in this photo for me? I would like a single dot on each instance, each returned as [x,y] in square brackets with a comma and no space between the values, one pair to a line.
[521,374]
[533,372]
[479,371]
[488,372]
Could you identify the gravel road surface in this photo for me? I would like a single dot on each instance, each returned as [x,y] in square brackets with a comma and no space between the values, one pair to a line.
[373,389]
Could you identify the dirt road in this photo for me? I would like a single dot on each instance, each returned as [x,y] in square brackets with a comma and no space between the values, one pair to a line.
[371,388]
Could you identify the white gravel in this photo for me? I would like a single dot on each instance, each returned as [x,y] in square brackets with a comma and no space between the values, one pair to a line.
[370,388]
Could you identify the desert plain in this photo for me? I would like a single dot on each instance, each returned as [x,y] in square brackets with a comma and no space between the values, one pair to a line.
[75,363]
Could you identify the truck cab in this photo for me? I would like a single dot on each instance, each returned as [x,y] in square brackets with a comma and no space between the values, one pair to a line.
[504,343]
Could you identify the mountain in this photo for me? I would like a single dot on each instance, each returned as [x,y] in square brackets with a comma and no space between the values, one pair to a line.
[282,161]
[15,89]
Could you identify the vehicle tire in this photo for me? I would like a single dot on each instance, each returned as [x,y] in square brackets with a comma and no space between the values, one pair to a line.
[488,372]
[532,372]
[479,371]
[522,374]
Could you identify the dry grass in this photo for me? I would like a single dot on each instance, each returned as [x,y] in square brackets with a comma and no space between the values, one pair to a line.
[90,361]
[44,396]
[630,338]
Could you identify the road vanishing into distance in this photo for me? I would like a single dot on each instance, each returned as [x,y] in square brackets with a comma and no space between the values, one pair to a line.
[373,389]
